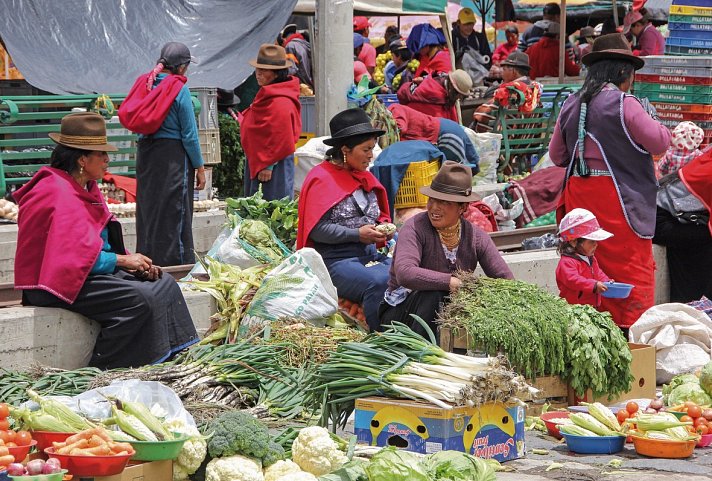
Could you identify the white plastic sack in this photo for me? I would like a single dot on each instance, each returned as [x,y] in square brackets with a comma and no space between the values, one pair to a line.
[682,337]
[299,288]
[227,250]
[487,145]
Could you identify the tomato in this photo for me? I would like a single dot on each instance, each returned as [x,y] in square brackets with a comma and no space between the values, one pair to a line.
[4,410]
[699,422]
[694,411]
[686,419]
[10,444]
[11,435]
[703,429]
[4,424]
[632,408]
[23,438]
[5,436]
[622,415]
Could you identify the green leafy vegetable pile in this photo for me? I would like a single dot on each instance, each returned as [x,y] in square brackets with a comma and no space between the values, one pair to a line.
[279,215]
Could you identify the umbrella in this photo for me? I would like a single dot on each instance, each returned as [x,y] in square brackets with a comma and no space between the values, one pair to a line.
[423,35]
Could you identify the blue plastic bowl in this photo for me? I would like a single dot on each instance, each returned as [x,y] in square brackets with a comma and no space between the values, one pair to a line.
[617,290]
[594,445]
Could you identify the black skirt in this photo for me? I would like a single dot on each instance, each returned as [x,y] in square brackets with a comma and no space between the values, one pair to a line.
[142,322]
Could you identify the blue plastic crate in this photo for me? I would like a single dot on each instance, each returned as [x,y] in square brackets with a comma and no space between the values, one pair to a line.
[689,42]
[692,34]
[387,99]
[687,51]
[680,61]
[691,3]
[694,27]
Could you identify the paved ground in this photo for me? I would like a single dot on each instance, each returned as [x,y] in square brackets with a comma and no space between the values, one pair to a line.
[578,467]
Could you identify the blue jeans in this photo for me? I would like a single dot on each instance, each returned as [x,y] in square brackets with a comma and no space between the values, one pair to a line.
[280,186]
[358,283]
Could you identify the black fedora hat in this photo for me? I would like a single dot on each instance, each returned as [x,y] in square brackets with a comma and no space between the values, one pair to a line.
[613,46]
[350,123]
[518,60]
[227,98]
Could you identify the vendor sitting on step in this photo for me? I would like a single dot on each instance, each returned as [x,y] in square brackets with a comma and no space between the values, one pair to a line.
[432,246]
[71,255]
[340,205]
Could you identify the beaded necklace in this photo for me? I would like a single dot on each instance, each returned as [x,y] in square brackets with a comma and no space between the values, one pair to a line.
[450,236]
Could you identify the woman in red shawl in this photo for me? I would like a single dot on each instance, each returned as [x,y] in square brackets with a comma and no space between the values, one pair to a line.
[340,204]
[270,127]
[71,255]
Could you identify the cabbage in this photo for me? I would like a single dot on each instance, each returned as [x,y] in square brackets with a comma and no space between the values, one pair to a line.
[689,392]
[677,381]
[351,471]
[457,466]
[391,464]
[706,378]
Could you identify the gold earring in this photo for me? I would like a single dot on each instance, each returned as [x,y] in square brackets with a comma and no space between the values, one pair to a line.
[81,170]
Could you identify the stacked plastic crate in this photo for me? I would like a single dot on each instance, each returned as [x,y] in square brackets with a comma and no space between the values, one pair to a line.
[690,26]
[680,88]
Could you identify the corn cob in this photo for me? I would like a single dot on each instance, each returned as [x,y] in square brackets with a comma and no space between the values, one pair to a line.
[60,412]
[681,434]
[132,426]
[658,422]
[660,435]
[119,435]
[603,415]
[40,421]
[143,414]
[587,421]
[575,430]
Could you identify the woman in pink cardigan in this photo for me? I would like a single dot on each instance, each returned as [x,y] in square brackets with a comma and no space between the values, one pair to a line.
[432,246]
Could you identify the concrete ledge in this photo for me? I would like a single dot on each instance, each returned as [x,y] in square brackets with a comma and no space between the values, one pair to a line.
[63,339]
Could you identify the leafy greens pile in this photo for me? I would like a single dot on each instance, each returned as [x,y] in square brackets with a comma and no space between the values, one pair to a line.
[279,215]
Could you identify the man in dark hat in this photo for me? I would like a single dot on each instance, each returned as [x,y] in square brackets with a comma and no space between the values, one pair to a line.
[399,64]
[552,13]
[544,56]
[585,41]
[299,52]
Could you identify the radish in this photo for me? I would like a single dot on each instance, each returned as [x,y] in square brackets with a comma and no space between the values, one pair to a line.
[35,466]
[15,469]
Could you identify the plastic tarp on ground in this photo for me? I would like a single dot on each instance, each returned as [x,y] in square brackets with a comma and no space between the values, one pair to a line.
[98,46]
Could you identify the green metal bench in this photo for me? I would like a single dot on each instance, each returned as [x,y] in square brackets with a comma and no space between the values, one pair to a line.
[26,121]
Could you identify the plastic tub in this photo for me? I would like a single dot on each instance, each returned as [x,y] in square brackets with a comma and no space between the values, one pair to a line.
[91,466]
[705,440]
[46,438]
[678,414]
[594,444]
[41,477]
[552,428]
[617,290]
[21,452]
[659,448]
[158,450]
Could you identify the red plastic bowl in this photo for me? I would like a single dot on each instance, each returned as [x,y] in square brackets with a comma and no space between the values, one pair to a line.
[704,441]
[46,438]
[91,466]
[21,452]
[552,427]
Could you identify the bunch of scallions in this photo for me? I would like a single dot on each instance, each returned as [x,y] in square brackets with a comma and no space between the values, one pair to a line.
[400,363]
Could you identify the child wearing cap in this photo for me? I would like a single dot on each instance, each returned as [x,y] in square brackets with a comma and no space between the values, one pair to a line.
[578,275]
[686,138]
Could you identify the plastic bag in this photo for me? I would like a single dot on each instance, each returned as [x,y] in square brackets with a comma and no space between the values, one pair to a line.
[300,287]
[308,156]
[159,398]
[226,249]
[545,241]
[487,146]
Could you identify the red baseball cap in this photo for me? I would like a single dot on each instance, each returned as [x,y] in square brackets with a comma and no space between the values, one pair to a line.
[361,23]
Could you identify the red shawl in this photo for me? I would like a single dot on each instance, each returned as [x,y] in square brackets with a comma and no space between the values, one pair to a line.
[439,63]
[59,233]
[696,176]
[325,186]
[127,184]
[142,111]
[415,125]
[271,126]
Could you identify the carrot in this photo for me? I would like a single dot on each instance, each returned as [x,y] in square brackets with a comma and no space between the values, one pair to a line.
[4,451]
[102,450]
[361,317]
[346,304]
[120,446]
[7,459]
[122,453]
[80,452]
[81,444]
[95,441]
[76,437]
[353,310]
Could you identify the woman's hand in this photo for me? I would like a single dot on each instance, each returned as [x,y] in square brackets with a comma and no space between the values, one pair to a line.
[368,234]
[133,262]
[455,284]
[152,274]
[264,175]
[200,178]
[600,287]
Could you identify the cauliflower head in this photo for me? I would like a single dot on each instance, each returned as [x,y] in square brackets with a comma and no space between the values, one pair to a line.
[300,476]
[191,454]
[234,468]
[281,468]
[316,453]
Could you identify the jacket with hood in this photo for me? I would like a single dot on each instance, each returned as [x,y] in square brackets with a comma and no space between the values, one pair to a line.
[297,46]
[544,59]
[577,279]
[477,40]
[429,97]
[270,127]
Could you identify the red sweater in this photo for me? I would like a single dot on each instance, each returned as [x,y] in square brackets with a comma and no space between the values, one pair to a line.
[544,60]
[576,280]
[430,97]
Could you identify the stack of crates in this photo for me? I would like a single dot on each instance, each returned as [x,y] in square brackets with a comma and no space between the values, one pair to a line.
[680,88]
[208,126]
[690,26]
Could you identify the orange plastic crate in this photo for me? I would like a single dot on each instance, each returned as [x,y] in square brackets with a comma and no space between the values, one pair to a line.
[419,174]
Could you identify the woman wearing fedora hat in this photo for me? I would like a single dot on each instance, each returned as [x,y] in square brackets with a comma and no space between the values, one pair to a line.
[340,204]
[437,94]
[70,254]
[432,246]
[605,138]
[270,127]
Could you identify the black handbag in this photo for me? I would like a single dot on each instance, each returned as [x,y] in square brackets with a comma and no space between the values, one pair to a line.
[674,197]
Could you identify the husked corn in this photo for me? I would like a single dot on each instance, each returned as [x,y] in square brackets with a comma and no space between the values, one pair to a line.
[575,430]
[132,426]
[604,415]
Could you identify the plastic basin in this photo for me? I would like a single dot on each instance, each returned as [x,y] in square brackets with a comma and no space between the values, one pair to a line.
[551,427]
[41,477]
[704,441]
[21,452]
[46,438]
[660,448]
[678,414]
[617,290]
[158,450]
[594,444]
[91,466]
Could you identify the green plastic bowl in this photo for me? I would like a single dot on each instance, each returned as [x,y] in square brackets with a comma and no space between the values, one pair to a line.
[678,414]
[40,477]
[158,450]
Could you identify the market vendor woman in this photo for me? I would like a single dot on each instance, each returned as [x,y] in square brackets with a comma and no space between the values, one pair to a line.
[340,204]
[70,254]
[432,246]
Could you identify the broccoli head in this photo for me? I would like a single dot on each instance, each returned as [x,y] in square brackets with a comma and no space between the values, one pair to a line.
[275,453]
[237,432]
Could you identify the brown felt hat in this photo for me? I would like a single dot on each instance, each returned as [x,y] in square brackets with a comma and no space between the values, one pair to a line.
[83,130]
[453,183]
[271,57]
[613,46]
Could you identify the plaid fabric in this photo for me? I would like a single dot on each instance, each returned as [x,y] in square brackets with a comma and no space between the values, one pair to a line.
[704,305]
[674,159]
